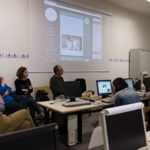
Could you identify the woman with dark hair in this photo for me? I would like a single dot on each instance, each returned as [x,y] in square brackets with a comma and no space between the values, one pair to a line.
[24,87]
[123,94]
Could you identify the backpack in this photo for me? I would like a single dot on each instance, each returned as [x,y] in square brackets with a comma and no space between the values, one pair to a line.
[41,95]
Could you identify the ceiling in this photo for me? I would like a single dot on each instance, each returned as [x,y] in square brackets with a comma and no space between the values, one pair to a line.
[140,6]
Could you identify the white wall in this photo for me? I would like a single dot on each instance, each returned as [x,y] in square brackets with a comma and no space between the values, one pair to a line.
[128,30]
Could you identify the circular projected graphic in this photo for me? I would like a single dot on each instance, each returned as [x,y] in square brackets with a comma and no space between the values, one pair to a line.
[86,21]
[50,14]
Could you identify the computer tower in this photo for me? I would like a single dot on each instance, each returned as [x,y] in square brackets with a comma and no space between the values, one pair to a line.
[72,129]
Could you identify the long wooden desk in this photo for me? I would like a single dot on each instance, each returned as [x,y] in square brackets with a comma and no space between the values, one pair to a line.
[60,115]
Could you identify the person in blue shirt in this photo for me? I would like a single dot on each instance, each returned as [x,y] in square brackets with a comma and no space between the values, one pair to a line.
[123,94]
[12,102]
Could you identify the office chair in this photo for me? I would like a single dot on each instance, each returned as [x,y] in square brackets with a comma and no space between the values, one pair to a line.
[83,85]
[83,88]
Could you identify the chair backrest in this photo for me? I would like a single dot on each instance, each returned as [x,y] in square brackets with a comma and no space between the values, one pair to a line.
[45,88]
[146,109]
[14,92]
[82,83]
[124,127]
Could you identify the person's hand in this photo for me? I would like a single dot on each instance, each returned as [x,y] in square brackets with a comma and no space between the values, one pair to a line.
[25,90]
[113,93]
[30,87]
[0,96]
[1,78]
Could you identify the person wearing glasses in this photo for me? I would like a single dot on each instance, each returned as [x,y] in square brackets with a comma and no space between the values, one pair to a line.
[56,83]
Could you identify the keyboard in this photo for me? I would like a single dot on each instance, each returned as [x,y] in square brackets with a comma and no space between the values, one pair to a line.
[75,104]
[141,94]
[108,99]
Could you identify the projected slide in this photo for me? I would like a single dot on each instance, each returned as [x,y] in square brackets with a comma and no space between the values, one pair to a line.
[77,34]
[62,34]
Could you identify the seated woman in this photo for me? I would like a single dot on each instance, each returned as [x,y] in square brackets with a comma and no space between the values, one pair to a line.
[12,102]
[24,87]
[123,94]
[17,121]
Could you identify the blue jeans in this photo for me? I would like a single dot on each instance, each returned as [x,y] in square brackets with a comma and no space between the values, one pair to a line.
[33,106]
[19,103]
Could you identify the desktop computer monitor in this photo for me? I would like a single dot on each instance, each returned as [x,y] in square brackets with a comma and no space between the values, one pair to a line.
[146,82]
[39,138]
[124,128]
[72,90]
[103,87]
[129,81]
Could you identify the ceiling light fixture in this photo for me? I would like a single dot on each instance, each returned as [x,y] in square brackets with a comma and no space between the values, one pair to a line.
[148,0]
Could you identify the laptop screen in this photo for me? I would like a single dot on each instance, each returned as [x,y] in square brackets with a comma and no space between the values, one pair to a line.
[129,81]
[103,87]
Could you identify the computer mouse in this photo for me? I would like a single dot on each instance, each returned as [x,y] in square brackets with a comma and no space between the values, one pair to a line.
[91,100]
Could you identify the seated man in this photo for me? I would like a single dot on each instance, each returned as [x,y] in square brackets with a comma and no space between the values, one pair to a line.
[17,121]
[12,102]
[56,83]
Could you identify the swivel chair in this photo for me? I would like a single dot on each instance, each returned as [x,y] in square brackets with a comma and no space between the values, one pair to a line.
[83,85]
[83,88]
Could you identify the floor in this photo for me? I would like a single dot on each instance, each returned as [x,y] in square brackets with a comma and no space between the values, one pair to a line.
[87,130]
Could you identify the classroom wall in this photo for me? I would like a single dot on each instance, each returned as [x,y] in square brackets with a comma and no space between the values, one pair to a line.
[129,30]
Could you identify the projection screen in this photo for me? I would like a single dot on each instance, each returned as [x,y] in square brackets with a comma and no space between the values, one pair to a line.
[62,34]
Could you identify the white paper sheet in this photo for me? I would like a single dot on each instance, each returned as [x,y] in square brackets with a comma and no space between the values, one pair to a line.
[123,109]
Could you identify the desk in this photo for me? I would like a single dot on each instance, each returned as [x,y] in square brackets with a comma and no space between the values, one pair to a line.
[59,111]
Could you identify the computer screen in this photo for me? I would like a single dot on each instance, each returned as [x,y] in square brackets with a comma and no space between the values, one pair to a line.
[146,82]
[39,138]
[129,81]
[103,87]
[72,90]
[124,131]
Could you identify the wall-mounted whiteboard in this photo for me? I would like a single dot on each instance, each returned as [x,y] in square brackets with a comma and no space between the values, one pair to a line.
[76,38]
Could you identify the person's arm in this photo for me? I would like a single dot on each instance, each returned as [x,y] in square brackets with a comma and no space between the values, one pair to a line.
[2,81]
[18,88]
[30,87]
[8,90]
[2,90]
[117,100]
[6,93]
